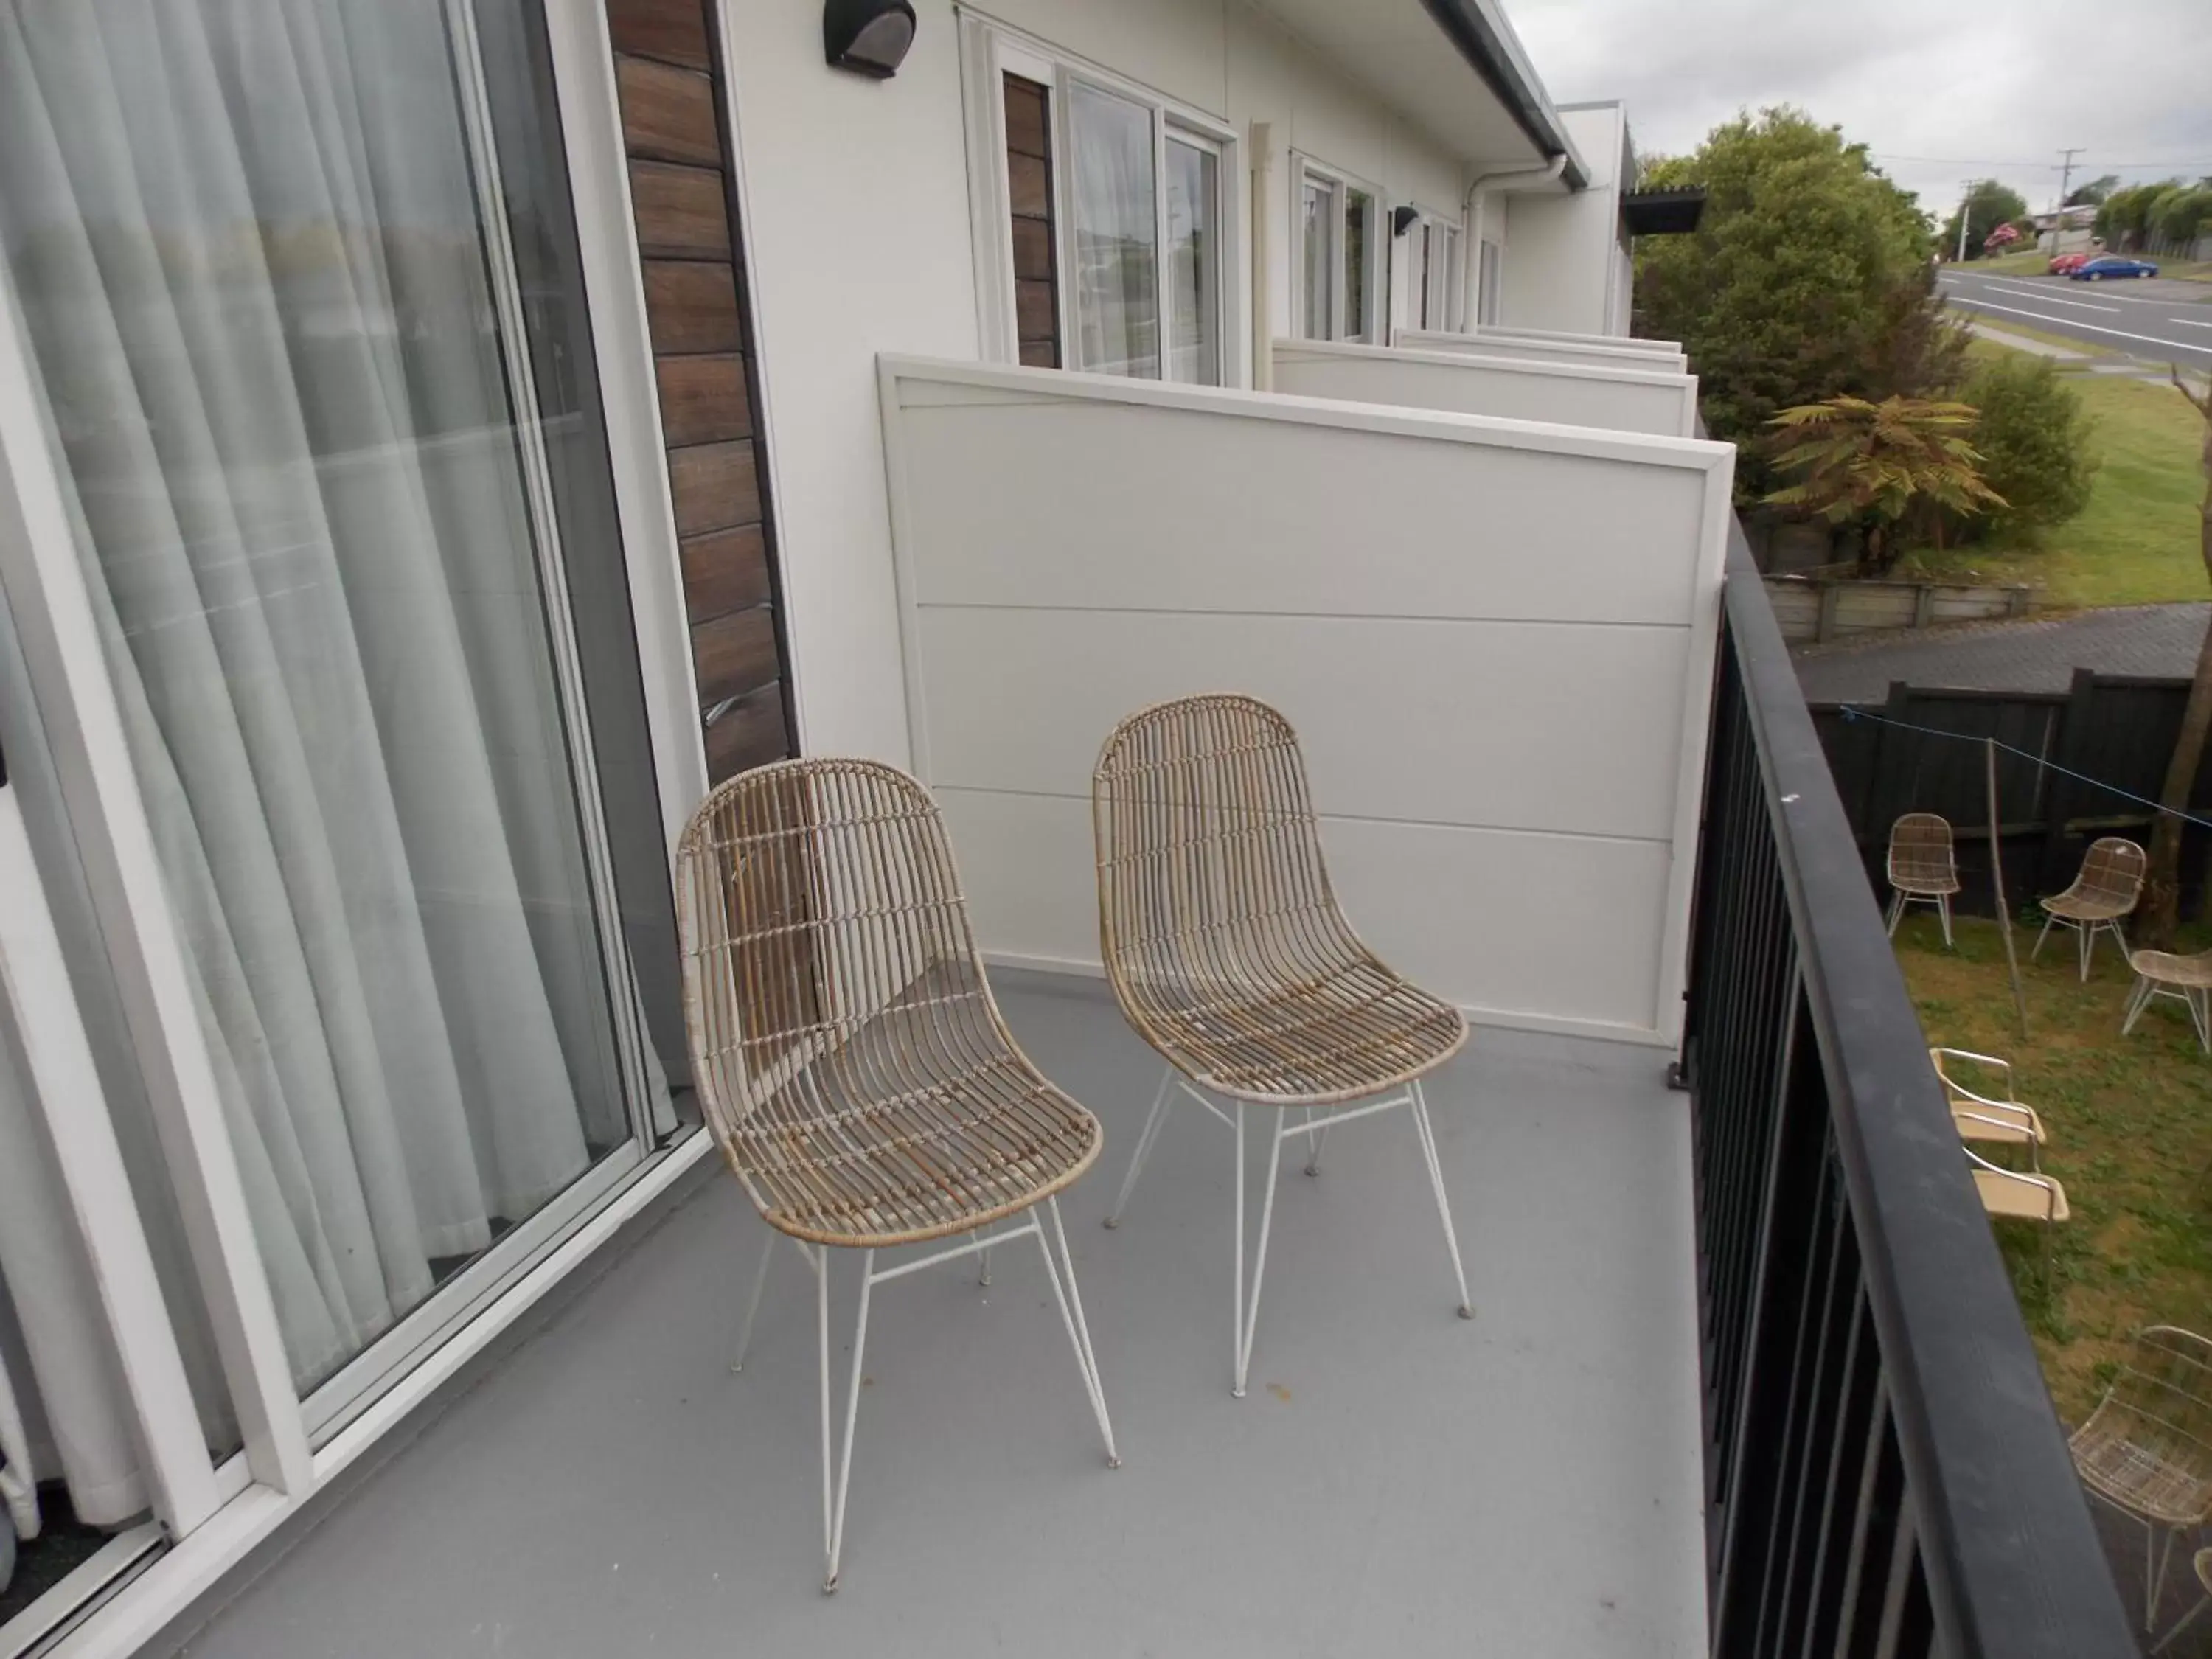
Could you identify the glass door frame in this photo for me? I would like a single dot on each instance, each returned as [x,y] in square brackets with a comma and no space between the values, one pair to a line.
[107,817]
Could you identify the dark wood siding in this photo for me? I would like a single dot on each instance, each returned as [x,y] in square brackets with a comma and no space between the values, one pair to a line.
[1029,175]
[672,100]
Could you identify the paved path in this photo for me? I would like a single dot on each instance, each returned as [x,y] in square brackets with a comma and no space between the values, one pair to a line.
[2160,318]
[2035,654]
[2021,343]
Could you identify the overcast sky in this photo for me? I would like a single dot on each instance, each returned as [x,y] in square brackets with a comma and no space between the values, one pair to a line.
[1941,90]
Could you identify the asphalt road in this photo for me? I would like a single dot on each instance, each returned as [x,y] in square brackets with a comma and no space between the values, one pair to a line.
[2159,319]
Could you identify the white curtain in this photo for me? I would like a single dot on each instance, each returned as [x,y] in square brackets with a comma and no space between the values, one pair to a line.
[1117,234]
[246,243]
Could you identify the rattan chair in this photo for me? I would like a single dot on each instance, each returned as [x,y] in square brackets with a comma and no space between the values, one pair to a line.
[2146,1449]
[1230,956]
[2110,883]
[2187,980]
[850,1058]
[1991,1113]
[1922,869]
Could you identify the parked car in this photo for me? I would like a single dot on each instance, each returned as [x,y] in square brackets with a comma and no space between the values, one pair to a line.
[2112,264]
[2066,263]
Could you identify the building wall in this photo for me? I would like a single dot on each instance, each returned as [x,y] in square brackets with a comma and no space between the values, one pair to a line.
[1562,251]
[857,241]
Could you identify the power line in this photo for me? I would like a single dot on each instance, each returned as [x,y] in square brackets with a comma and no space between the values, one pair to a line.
[2048,166]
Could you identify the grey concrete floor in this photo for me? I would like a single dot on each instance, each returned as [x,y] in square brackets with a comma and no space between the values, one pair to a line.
[1398,1482]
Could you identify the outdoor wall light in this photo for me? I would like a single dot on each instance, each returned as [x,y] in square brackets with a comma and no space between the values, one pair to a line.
[1402,219]
[869,37]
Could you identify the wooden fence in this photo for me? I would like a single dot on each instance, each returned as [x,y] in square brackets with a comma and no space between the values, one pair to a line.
[1821,608]
[2117,730]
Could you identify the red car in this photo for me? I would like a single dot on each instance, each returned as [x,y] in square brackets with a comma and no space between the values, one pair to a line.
[2066,263]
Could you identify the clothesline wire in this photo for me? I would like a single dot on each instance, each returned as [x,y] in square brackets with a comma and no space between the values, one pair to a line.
[1853,712]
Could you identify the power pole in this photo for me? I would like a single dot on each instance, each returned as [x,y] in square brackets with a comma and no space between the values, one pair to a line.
[2058,213]
[1965,204]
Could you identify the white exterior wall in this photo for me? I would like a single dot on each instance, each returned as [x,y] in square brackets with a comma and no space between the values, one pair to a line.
[1562,265]
[1616,399]
[858,242]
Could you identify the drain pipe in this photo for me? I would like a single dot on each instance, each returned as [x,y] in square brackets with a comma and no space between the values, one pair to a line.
[1471,209]
[17,1487]
[1263,336]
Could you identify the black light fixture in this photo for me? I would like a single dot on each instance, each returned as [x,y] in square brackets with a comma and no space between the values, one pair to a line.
[1402,219]
[869,37]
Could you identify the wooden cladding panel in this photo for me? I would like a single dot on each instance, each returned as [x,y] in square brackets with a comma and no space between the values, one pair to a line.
[667,72]
[673,31]
[668,114]
[724,570]
[703,398]
[691,307]
[682,213]
[715,486]
[1029,175]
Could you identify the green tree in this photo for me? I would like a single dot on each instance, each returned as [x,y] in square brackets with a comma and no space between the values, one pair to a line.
[1871,463]
[2093,193]
[1809,276]
[2182,215]
[2034,437]
[1988,204]
[2124,219]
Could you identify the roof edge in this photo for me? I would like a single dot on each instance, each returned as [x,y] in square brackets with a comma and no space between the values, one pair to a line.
[1486,41]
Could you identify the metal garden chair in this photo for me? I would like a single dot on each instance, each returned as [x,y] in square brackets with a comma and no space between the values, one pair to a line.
[2110,882]
[1228,955]
[2146,1449]
[850,1058]
[1983,1114]
[1923,868]
[2187,980]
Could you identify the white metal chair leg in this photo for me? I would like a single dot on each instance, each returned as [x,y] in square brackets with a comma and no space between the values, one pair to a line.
[753,1302]
[1155,1120]
[1419,1108]
[2200,1014]
[2088,948]
[2036,950]
[2138,1000]
[983,1256]
[2155,1582]
[2182,1623]
[1079,1330]
[833,1515]
[1313,1138]
[1943,904]
[1896,911]
[1247,1315]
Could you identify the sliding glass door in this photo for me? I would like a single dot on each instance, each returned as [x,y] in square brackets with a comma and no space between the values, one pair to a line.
[294,288]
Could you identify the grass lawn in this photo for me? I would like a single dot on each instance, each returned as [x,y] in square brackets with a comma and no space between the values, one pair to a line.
[2136,543]
[2130,1121]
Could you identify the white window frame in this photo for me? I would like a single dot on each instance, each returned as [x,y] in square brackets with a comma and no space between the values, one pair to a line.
[990,50]
[211,1515]
[1444,279]
[1368,329]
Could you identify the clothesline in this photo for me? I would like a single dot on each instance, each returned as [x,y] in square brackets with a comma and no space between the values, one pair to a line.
[1852,712]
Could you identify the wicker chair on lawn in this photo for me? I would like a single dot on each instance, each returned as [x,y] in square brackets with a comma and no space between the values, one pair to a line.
[1988,1112]
[1230,956]
[2110,882]
[851,1060]
[1922,869]
[2146,1449]
[2187,980]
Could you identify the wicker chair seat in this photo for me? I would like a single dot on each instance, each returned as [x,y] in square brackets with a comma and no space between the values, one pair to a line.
[932,1158]
[1356,1029]
[2153,1482]
[2147,1447]
[2088,907]
[2167,969]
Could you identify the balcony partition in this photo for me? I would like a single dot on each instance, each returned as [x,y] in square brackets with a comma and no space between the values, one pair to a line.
[1541,348]
[1563,336]
[1495,636]
[1885,1475]
[1612,398]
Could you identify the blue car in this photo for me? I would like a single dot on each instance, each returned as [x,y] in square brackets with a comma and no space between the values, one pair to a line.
[2112,265]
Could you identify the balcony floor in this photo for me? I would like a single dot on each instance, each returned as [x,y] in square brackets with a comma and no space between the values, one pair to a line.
[1398,1481]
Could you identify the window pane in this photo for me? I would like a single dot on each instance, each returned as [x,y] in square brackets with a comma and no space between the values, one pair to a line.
[1358,206]
[292,363]
[1316,267]
[1114,217]
[1193,265]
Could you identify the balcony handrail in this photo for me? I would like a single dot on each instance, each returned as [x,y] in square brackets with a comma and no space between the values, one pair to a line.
[1622,371]
[2012,1563]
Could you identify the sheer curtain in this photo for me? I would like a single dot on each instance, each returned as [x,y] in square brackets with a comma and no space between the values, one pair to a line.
[245,240]
[1117,233]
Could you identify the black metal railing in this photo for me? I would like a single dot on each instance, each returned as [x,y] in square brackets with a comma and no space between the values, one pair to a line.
[1885,1475]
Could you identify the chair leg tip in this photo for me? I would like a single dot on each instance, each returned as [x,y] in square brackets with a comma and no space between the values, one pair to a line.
[1113,1460]
[1465,1311]
[829,1585]
[1236,1393]
[1112,1222]
[1313,1168]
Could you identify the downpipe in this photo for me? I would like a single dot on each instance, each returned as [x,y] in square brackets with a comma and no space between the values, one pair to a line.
[1482,185]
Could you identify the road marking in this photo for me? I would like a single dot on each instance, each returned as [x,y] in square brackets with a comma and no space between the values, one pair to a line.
[2185,323]
[2104,290]
[2093,328]
[2049,299]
